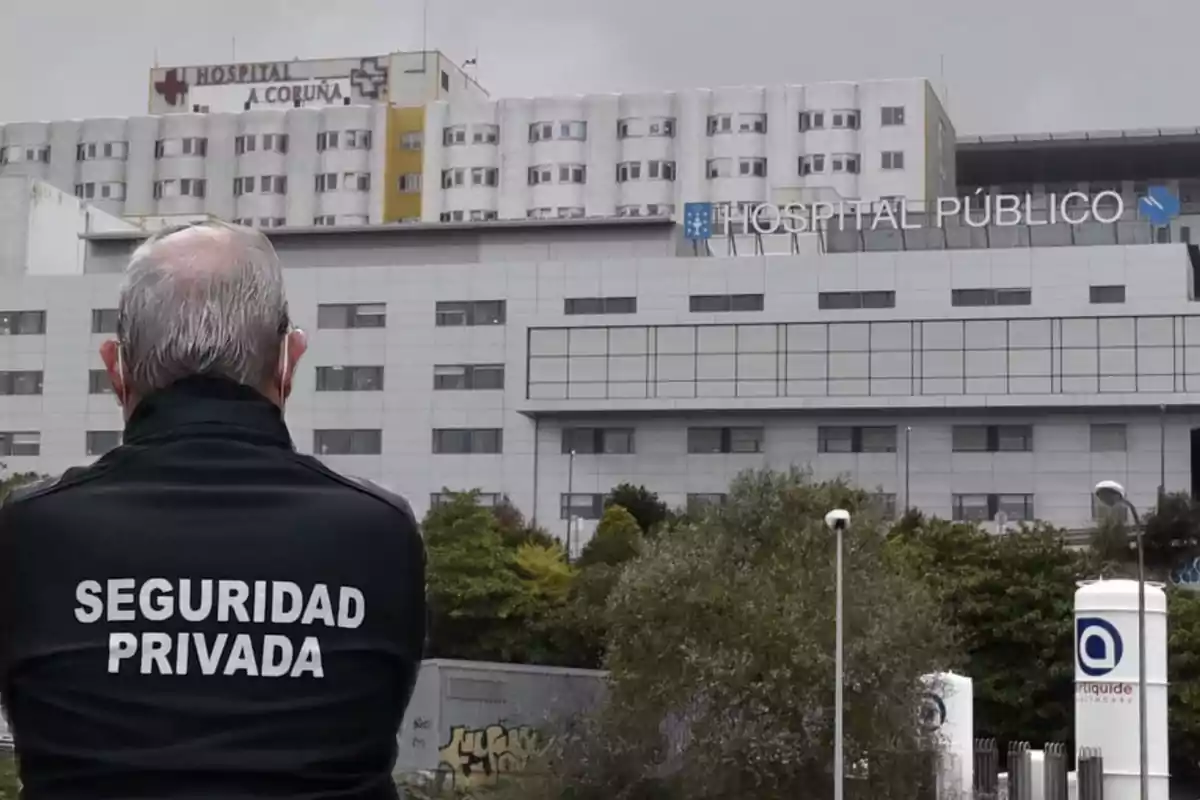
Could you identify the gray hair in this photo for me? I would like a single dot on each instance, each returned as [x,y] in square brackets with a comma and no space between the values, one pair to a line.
[202,299]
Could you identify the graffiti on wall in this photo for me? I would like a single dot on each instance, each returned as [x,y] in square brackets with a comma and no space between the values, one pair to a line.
[481,755]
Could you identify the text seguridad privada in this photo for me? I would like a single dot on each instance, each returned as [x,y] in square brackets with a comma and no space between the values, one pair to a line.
[117,601]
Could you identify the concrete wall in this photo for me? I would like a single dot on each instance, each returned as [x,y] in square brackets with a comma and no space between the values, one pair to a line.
[466,713]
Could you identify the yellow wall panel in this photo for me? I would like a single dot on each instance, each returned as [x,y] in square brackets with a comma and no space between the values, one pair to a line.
[398,205]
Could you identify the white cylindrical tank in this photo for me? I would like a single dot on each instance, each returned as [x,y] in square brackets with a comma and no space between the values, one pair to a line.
[951,713]
[1106,684]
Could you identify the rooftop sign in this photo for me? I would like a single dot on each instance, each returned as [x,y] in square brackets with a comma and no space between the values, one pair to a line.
[703,220]
[234,87]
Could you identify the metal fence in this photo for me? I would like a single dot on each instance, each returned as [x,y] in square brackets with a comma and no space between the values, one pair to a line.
[1022,777]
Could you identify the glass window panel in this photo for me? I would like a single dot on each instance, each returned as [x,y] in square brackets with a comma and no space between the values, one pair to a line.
[548,342]
[832,439]
[757,338]
[849,365]
[627,341]
[985,334]
[1116,332]
[941,336]
[812,338]
[849,336]
[1155,331]
[712,339]
[704,440]
[676,340]
[589,341]
[888,336]
[879,439]
[969,438]
[1029,333]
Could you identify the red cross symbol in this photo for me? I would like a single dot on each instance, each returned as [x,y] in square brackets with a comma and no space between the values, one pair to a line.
[171,87]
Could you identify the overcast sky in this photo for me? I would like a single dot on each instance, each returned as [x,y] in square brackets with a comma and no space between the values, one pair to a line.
[1010,65]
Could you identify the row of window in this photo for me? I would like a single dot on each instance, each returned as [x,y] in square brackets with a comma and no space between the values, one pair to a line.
[722,167]
[479,133]
[452,313]
[559,212]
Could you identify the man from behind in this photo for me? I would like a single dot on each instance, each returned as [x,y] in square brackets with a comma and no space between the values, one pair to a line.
[204,612]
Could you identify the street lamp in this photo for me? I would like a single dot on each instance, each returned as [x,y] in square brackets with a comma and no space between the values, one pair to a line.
[570,502]
[838,521]
[1112,494]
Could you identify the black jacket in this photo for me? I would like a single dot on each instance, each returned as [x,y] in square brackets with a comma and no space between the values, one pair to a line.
[205,613]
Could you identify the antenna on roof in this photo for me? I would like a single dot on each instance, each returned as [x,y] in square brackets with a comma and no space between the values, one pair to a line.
[945,86]
[424,35]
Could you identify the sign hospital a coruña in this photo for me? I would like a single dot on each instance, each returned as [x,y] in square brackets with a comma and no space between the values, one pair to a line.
[326,82]
[282,88]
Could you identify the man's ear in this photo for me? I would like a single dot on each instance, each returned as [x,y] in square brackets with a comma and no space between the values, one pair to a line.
[110,354]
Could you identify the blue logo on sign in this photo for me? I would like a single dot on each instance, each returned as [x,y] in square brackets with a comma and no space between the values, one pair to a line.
[1159,206]
[1098,645]
[697,220]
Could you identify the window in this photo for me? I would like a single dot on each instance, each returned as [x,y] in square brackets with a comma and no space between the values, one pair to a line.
[828,301]
[545,131]
[474,215]
[412,140]
[589,441]
[275,142]
[1106,294]
[351,315]
[104,320]
[349,379]
[325,220]
[473,134]
[848,119]
[845,162]
[348,442]
[719,168]
[992,438]
[812,164]
[884,503]
[350,181]
[409,183]
[20,443]
[463,441]
[97,443]
[652,126]
[713,303]
[470,176]
[190,146]
[892,159]
[811,120]
[21,382]
[445,81]
[18,153]
[22,323]
[266,184]
[991,297]
[752,123]
[473,377]
[891,115]
[655,170]
[752,167]
[560,173]
[580,506]
[985,507]
[858,439]
[455,313]
[599,305]
[94,151]
[482,499]
[181,187]
[725,440]
[699,502]
[104,190]
[98,382]
[346,140]
[1108,438]
[720,123]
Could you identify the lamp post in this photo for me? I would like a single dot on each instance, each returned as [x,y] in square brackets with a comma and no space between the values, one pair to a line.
[570,501]
[1112,494]
[838,521]
[907,450]
[1162,454]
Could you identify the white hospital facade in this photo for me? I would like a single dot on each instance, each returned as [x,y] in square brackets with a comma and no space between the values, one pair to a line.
[540,328]
[964,382]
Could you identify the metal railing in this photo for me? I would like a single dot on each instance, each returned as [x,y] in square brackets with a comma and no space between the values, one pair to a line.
[1021,783]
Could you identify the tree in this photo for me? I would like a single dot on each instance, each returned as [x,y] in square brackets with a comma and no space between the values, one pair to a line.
[1010,599]
[489,598]
[647,509]
[14,480]
[618,539]
[723,633]
[1183,672]
[514,528]
[1172,532]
